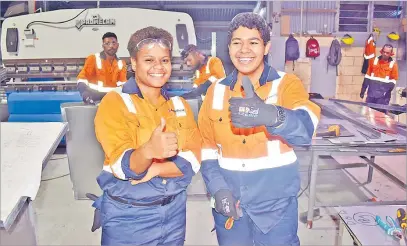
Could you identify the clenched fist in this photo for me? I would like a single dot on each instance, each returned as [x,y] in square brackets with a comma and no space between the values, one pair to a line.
[162,144]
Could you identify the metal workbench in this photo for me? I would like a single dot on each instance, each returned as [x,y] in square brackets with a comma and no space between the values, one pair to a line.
[18,142]
[370,133]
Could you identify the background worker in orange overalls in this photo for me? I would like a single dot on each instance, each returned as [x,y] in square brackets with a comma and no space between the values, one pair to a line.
[249,122]
[207,69]
[152,147]
[102,71]
[381,77]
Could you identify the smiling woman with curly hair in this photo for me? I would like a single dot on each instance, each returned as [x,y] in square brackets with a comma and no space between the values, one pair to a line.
[152,148]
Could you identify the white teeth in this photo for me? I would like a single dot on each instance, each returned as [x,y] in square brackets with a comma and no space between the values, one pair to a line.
[156,74]
[245,60]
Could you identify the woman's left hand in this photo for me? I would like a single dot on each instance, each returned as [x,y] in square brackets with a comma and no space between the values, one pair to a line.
[153,171]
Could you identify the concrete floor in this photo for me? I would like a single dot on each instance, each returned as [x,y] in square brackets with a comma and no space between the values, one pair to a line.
[62,220]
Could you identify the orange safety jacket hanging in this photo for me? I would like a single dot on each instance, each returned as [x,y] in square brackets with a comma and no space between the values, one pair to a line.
[370,53]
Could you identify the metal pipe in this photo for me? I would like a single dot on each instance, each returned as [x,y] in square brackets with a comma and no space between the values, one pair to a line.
[301,16]
[213,48]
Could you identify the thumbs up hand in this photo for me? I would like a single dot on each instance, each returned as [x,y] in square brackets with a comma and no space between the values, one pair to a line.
[162,144]
[251,111]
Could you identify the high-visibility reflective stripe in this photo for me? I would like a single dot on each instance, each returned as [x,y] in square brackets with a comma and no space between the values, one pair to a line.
[99,87]
[369,40]
[189,156]
[376,60]
[120,83]
[273,93]
[98,61]
[195,86]
[391,64]
[218,94]
[116,167]
[207,66]
[273,159]
[120,64]
[83,81]
[197,74]
[369,56]
[178,106]
[212,79]
[209,154]
[128,102]
[311,114]
[384,80]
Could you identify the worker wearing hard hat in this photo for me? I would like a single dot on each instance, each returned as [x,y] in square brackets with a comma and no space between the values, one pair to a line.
[249,122]
[381,77]
[207,69]
[152,146]
[102,71]
[369,54]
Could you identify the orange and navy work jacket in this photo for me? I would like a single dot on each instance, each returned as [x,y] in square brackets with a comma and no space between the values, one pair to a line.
[102,75]
[370,49]
[125,121]
[212,71]
[380,78]
[257,164]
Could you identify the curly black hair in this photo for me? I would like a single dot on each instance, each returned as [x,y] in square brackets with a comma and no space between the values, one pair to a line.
[147,32]
[251,21]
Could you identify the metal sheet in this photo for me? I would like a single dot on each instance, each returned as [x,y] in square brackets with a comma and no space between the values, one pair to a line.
[85,154]
[26,148]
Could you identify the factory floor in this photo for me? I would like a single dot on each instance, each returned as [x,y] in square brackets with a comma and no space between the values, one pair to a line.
[62,220]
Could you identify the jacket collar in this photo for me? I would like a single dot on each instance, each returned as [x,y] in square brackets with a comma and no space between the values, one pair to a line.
[103,55]
[390,59]
[268,74]
[131,87]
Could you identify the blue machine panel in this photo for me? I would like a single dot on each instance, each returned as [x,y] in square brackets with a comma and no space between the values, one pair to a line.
[39,103]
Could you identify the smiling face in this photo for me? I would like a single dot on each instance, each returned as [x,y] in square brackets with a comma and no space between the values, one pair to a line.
[152,66]
[247,50]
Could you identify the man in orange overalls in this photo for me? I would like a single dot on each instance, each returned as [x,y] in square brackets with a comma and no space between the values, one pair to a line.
[102,72]
[208,69]
[381,77]
[249,122]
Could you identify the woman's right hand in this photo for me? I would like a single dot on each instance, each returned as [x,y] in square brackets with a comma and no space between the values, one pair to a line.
[162,144]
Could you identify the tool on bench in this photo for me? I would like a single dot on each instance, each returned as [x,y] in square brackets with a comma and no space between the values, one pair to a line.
[391,227]
[333,131]
[402,218]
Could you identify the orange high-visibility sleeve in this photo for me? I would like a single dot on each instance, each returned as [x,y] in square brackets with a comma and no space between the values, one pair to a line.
[205,124]
[88,71]
[394,72]
[216,68]
[112,130]
[193,139]
[123,73]
[294,96]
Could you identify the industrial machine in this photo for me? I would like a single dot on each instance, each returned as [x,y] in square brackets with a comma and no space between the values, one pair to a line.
[44,52]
